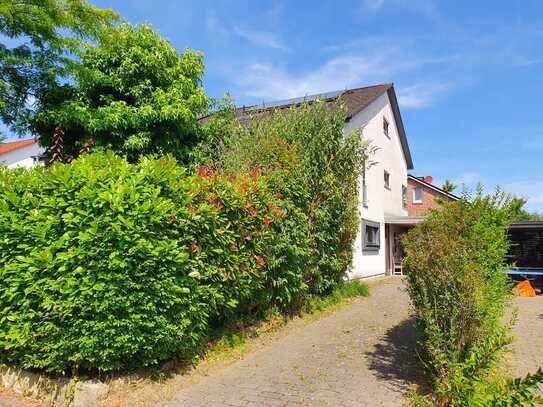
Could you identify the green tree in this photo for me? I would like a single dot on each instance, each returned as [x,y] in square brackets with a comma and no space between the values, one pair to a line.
[448,186]
[133,94]
[37,37]
[520,214]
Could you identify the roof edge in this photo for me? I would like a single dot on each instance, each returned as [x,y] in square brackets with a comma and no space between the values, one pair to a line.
[399,125]
[432,186]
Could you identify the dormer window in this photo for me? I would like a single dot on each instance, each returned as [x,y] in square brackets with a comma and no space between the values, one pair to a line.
[385,126]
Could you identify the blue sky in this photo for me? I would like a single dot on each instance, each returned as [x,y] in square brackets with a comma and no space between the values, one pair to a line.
[469,74]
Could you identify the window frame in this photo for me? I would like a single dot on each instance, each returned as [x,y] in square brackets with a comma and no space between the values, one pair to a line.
[386,127]
[369,246]
[405,195]
[364,191]
[386,179]
[415,200]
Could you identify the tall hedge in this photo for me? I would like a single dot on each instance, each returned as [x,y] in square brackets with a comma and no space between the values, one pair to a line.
[107,265]
[315,165]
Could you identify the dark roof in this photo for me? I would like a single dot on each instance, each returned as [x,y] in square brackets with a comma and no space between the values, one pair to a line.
[528,224]
[432,186]
[355,100]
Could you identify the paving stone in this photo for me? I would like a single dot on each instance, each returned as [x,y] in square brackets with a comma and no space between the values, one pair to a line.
[344,359]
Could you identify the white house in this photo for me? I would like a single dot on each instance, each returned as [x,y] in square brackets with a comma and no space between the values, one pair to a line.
[20,153]
[383,189]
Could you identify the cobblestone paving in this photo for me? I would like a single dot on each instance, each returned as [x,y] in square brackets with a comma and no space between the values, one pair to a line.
[361,355]
[528,331]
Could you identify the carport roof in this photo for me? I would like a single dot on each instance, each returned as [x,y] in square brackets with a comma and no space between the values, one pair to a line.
[403,220]
[529,224]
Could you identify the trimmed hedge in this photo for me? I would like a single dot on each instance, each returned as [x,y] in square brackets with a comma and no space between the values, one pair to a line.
[106,265]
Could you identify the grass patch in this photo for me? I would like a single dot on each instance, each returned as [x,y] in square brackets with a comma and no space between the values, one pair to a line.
[343,293]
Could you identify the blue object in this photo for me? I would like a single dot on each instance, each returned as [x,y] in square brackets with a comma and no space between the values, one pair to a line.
[525,271]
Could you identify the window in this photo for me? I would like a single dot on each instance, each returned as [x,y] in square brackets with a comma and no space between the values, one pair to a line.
[417,195]
[385,126]
[370,236]
[387,180]
[404,196]
[364,191]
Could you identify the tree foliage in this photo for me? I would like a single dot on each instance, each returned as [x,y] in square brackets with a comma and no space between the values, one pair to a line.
[133,94]
[448,186]
[38,35]
[455,264]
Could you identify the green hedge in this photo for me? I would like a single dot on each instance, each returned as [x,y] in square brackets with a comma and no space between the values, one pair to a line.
[456,280]
[107,265]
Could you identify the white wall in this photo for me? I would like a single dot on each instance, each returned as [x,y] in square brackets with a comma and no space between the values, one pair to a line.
[380,201]
[22,157]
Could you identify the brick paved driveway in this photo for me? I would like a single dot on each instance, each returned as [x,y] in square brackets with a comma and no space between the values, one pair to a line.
[361,355]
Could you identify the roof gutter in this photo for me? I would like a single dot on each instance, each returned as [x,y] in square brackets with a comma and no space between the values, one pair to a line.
[399,123]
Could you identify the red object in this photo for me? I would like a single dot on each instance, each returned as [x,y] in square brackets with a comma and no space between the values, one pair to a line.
[260,261]
[428,179]
[15,145]
[267,221]
[193,247]
[202,171]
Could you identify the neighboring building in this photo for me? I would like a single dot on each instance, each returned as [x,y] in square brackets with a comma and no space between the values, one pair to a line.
[384,186]
[21,153]
[422,195]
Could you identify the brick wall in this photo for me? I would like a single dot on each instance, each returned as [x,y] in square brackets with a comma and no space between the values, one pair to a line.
[428,198]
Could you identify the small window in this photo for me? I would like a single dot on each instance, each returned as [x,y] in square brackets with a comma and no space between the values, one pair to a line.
[364,191]
[387,180]
[417,195]
[371,239]
[385,126]
[404,196]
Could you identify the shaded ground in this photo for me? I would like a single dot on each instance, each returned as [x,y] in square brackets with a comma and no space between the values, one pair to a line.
[361,355]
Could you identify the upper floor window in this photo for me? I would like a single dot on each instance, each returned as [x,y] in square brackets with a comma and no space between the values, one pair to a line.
[417,195]
[385,126]
[404,196]
[387,179]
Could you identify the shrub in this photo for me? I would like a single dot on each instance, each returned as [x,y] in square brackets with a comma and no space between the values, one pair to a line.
[459,291]
[317,167]
[108,265]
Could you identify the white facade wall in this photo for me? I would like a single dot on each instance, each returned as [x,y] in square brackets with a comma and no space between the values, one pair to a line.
[22,157]
[380,200]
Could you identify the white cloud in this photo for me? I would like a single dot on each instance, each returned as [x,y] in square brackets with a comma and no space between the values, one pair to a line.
[373,65]
[421,94]
[260,38]
[270,82]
